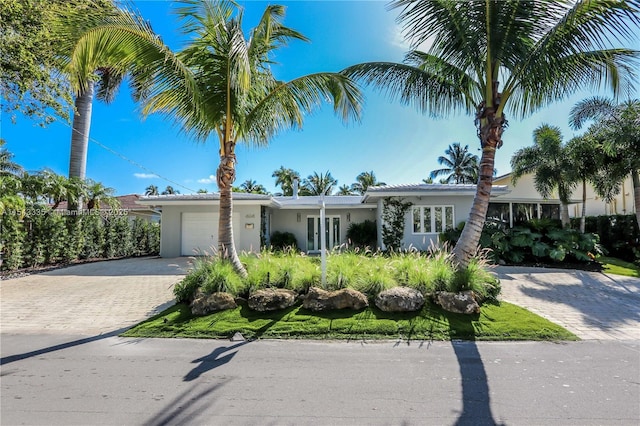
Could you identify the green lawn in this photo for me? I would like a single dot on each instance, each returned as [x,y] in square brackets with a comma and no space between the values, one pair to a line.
[611,265]
[503,322]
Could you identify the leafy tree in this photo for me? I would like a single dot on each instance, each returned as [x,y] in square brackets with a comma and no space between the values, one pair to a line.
[548,160]
[318,184]
[541,52]
[230,91]
[617,132]
[284,179]
[29,82]
[363,181]
[151,190]
[460,166]
[97,193]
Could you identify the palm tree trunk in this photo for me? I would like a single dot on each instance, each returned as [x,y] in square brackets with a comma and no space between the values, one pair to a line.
[564,215]
[225,176]
[583,218]
[80,136]
[635,176]
[490,134]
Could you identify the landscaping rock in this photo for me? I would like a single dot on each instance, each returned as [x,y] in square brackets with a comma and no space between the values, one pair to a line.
[272,299]
[318,299]
[460,303]
[400,299]
[205,304]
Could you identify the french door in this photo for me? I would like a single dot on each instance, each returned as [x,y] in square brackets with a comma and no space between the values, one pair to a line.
[332,232]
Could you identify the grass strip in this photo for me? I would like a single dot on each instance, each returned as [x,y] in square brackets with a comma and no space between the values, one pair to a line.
[612,265]
[495,322]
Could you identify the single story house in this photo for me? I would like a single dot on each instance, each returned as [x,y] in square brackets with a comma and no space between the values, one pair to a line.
[189,223]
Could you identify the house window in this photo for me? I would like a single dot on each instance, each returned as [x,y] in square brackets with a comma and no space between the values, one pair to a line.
[550,211]
[431,219]
[499,214]
[524,212]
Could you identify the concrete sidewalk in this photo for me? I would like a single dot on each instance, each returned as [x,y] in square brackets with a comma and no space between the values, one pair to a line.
[91,298]
[592,305]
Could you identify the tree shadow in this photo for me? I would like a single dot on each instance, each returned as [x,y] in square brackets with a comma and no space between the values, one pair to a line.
[476,398]
[214,360]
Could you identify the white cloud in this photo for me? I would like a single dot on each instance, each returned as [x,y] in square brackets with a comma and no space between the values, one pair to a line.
[145,175]
[210,179]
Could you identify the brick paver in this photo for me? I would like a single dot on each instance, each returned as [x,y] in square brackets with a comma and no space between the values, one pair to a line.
[89,299]
[591,305]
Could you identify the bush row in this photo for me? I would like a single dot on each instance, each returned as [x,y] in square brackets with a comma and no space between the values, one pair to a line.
[368,273]
[619,234]
[49,238]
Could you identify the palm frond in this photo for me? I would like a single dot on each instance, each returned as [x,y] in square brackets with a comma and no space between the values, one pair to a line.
[589,109]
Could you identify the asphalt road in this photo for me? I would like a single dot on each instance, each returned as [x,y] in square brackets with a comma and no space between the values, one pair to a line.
[67,380]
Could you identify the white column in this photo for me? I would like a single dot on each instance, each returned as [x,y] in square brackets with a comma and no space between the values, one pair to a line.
[379,224]
[323,243]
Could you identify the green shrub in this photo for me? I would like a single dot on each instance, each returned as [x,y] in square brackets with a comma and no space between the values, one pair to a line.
[283,240]
[619,234]
[363,234]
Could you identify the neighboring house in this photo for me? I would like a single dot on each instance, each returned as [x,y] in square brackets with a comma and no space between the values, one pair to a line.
[128,207]
[524,202]
[190,222]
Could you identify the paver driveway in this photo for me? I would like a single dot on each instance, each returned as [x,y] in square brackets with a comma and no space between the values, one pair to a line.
[89,299]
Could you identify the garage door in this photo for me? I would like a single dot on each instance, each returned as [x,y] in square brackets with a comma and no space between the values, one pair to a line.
[200,232]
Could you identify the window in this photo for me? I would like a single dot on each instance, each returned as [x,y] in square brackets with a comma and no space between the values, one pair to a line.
[499,214]
[550,211]
[524,212]
[431,219]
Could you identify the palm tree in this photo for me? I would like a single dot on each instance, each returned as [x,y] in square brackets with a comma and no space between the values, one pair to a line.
[549,161]
[98,45]
[284,179]
[55,187]
[541,52]
[318,184]
[169,190]
[460,166]
[253,187]
[586,163]
[345,190]
[97,193]
[7,165]
[235,96]
[363,181]
[617,132]
[151,190]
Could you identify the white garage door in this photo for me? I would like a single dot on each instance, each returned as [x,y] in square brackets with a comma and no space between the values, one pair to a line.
[200,232]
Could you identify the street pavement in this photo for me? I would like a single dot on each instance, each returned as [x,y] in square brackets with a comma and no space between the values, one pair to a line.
[63,364]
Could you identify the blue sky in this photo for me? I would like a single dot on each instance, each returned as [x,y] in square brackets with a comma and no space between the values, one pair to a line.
[397,143]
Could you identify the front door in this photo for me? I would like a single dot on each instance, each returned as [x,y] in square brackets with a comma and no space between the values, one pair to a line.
[332,232]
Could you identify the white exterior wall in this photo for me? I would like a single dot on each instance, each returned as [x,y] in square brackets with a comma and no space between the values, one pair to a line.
[286,220]
[461,208]
[248,239]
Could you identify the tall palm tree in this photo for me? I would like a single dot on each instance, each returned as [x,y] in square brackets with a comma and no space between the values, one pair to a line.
[7,165]
[617,132]
[55,187]
[549,161]
[363,181]
[236,96]
[98,45]
[460,166]
[586,162]
[284,179]
[253,187]
[492,57]
[97,194]
[318,184]
[151,190]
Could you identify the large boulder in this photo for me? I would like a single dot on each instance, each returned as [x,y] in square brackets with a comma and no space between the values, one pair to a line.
[459,303]
[205,304]
[400,299]
[318,299]
[271,299]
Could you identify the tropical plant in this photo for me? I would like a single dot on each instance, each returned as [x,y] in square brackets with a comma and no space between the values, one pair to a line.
[169,190]
[586,163]
[393,216]
[151,190]
[7,165]
[285,178]
[230,91]
[363,181]
[97,193]
[363,234]
[460,166]
[253,187]
[548,160]
[541,52]
[318,184]
[344,190]
[283,240]
[617,132]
